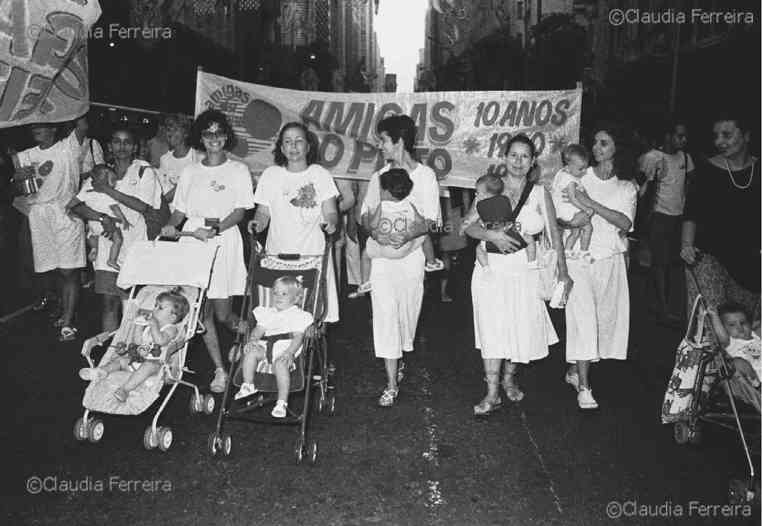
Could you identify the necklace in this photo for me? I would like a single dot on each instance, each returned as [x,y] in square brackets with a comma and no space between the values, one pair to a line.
[733,180]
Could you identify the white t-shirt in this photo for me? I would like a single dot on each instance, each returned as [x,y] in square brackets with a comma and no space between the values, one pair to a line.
[615,194]
[89,152]
[295,201]
[99,202]
[564,210]
[145,188]
[213,191]
[749,350]
[274,321]
[424,195]
[395,218]
[670,182]
[170,167]
[57,173]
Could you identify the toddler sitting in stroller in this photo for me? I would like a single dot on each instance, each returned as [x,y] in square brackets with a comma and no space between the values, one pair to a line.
[144,359]
[734,331]
[284,317]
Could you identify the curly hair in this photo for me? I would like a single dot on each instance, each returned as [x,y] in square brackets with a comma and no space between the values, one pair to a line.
[312,143]
[204,121]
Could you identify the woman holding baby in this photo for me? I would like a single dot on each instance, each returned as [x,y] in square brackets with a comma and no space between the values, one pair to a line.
[511,323]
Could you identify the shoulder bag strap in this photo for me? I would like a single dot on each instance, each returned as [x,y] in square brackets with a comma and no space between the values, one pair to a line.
[524,196]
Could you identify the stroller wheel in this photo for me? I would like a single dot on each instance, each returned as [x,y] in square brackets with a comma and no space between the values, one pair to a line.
[312,452]
[227,444]
[695,435]
[196,404]
[681,432]
[150,439]
[165,438]
[299,450]
[95,430]
[80,429]
[209,404]
[213,443]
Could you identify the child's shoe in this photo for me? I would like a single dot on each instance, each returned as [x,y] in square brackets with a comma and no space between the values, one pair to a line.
[434,266]
[92,374]
[279,411]
[245,390]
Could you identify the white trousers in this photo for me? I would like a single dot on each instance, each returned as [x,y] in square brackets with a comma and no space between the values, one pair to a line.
[598,310]
[396,297]
[353,259]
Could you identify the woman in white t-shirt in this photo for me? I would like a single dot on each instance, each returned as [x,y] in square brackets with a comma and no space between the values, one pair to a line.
[138,190]
[296,197]
[212,197]
[598,309]
[179,156]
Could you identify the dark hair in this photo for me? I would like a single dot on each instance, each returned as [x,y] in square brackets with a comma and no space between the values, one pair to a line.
[494,184]
[312,143]
[178,120]
[206,119]
[124,128]
[397,182]
[102,169]
[179,303]
[399,127]
[735,116]
[732,307]
[624,164]
[574,150]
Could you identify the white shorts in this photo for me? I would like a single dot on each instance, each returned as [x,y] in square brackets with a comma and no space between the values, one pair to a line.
[58,239]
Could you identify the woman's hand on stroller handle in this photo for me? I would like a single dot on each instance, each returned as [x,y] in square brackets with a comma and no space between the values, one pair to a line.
[690,254]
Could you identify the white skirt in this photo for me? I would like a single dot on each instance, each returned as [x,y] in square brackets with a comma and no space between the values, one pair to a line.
[229,270]
[510,320]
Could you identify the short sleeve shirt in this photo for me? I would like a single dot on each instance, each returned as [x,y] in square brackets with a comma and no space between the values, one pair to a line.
[57,172]
[274,322]
[424,195]
[294,200]
[170,168]
[213,191]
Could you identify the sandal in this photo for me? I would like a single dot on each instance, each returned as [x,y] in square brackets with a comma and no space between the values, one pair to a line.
[388,397]
[512,391]
[67,334]
[58,323]
[486,406]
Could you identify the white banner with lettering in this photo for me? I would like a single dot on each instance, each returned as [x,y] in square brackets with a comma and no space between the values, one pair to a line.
[461,135]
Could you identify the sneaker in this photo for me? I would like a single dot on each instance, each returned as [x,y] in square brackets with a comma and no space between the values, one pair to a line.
[585,399]
[434,266]
[279,411]
[245,390]
[388,397]
[572,379]
[92,374]
[220,381]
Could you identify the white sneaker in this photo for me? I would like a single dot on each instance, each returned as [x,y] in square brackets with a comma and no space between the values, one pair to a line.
[92,374]
[279,411]
[572,379]
[220,381]
[245,390]
[585,399]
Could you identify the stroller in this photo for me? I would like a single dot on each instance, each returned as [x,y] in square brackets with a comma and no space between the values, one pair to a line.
[311,369]
[185,267]
[703,377]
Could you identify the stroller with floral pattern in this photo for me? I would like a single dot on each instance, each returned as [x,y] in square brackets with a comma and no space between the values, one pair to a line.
[704,388]
[310,370]
[183,268]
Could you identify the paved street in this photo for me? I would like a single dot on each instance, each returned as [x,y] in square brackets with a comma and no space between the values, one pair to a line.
[426,461]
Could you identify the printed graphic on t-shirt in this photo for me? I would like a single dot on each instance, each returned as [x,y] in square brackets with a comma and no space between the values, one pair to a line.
[217,187]
[45,168]
[305,197]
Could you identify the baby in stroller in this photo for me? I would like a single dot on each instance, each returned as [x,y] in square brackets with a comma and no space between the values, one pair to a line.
[144,359]
[287,320]
[734,331]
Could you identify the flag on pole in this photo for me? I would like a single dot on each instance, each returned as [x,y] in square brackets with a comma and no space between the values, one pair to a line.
[43,59]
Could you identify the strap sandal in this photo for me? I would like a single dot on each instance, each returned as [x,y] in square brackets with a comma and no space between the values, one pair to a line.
[388,397]
[434,266]
[512,391]
[67,334]
[486,406]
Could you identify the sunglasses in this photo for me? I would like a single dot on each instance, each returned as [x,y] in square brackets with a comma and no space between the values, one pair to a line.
[210,135]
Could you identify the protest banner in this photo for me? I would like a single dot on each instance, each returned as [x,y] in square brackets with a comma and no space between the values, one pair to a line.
[43,59]
[461,135]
